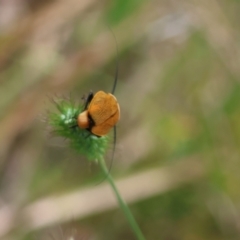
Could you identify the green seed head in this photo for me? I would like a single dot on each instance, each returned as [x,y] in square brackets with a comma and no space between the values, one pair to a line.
[64,124]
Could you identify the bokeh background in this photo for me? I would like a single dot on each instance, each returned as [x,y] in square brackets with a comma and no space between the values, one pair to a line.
[177,158]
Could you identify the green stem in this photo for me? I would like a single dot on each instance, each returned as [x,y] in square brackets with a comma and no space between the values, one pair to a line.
[132,222]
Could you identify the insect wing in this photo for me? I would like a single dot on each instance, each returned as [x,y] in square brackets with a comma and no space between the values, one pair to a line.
[102,107]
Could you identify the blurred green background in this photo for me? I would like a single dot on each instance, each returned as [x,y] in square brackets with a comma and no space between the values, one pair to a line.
[179,92]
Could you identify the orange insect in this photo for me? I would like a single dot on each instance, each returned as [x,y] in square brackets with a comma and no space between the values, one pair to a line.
[101,113]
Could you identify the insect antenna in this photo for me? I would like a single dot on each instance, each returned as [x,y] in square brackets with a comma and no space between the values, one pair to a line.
[116,69]
[113,90]
[114,146]
[113,152]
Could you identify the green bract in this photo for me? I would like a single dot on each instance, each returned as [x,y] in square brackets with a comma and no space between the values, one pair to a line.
[64,124]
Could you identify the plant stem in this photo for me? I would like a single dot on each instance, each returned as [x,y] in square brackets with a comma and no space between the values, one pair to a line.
[131,220]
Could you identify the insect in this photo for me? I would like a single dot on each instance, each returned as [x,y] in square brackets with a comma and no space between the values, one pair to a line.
[101,112]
